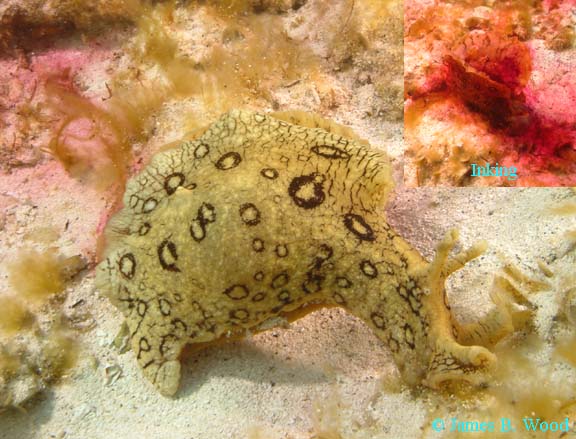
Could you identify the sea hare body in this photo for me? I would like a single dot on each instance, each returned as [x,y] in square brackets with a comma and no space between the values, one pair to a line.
[259,218]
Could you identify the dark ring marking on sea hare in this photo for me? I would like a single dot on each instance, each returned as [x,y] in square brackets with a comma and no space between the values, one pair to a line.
[343,282]
[239,314]
[280,280]
[149,205]
[284,297]
[307,191]
[312,284]
[269,173]
[281,250]
[197,230]
[357,225]
[173,182]
[179,325]
[207,213]
[415,304]
[143,346]
[250,214]
[259,276]
[170,247]
[259,296]
[133,202]
[144,229]
[368,269]
[330,152]
[127,265]
[141,308]
[228,161]
[325,252]
[378,320]
[257,245]
[409,336]
[339,299]
[165,307]
[237,292]
[201,151]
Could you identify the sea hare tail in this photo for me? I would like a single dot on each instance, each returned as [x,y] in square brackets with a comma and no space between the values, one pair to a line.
[453,362]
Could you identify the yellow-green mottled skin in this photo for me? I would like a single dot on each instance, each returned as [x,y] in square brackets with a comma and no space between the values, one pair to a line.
[258,218]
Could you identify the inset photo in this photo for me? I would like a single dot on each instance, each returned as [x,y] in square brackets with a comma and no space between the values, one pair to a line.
[490,93]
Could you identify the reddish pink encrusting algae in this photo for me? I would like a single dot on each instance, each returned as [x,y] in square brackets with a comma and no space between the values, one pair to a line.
[523,90]
[498,88]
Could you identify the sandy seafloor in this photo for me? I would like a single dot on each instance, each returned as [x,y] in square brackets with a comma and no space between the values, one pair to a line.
[320,378]
[280,382]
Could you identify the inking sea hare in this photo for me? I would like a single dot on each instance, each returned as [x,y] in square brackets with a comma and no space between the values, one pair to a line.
[259,218]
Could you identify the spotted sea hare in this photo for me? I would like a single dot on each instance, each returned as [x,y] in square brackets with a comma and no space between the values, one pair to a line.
[259,218]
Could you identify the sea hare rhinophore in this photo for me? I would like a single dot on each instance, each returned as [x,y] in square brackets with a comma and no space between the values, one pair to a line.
[258,219]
